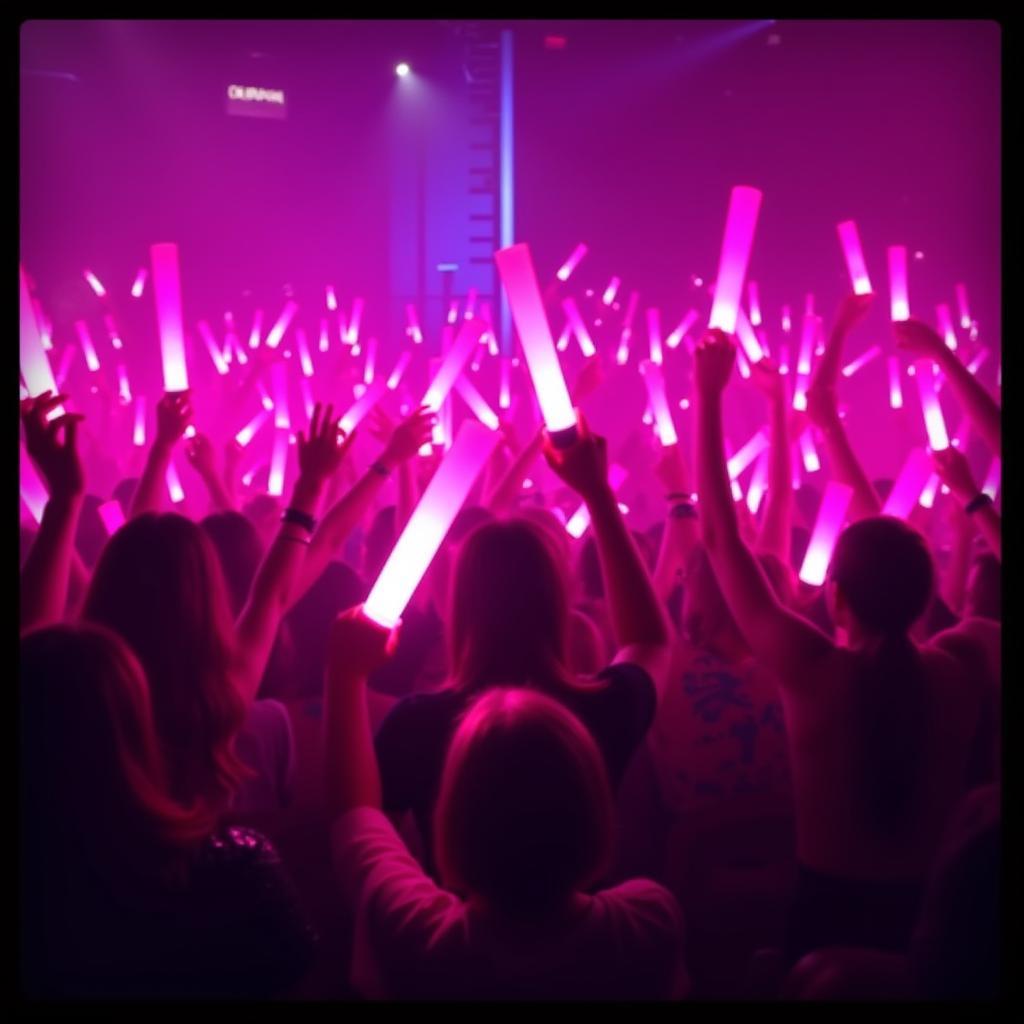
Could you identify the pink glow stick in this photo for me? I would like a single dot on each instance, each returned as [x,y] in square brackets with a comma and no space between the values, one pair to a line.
[32,488]
[579,328]
[622,352]
[250,474]
[123,390]
[324,340]
[305,358]
[810,454]
[899,304]
[740,222]
[35,363]
[610,292]
[453,311]
[934,422]
[916,472]
[895,386]
[399,370]
[746,455]
[308,404]
[849,239]
[167,291]
[279,387]
[658,398]
[429,523]
[139,430]
[265,400]
[563,339]
[993,478]
[352,333]
[481,410]
[451,365]
[139,283]
[737,490]
[758,483]
[206,333]
[278,462]
[748,340]
[112,331]
[927,499]
[112,516]
[631,304]
[173,481]
[807,338]
[673,340]
[787,320]
[945,322]
[257,327]
[371,359]
[332,299]
[470,309]
[516,270]
[827,527]
[654,336]
[961,301]
[88,349]
[742,365]
[362,405]
[572,262]
[754,301]
[45,326]
[413,328]
[504,388]
[580,519]
[861,361]
[94,283]
[809,304]
[783,359]
[248,432]
[281,325]
[65,364]
[975,364]
[648,417]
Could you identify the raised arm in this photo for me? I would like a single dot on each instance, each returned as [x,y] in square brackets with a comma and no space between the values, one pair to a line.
[199,452]
[682,531]
[639,623]
[780,640]
[173,413]
[44,577]
[954,578]
[921,342]
[955,472]
[852,311]
[777,524]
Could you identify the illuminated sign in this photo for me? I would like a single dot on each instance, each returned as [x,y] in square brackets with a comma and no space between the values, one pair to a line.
[252,101]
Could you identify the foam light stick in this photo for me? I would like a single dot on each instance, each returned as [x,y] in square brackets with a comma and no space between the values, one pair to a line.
[250,474]
[654,336]
[305,358]
[362,405]
[451,365]
[673,340]
[740,222]
[962,307]
[758,483]
[371,359]
[112,331]
[279,388]
[899,305]
[352,332]
[265,400]
[324,340]
[332,298]
[895,387]
[563,339]
[827,527]
[516,270]
[396,374]
[124,392]
[88,348]
[748,340]
[413,328]
[173,481]
[861,361]
[927,499]
[206,333]
[308,404]
[934,422]
[975,364]
[246,434]
[257,327]
[742,365]
[94,283]
[483,412]
[754,301]
[849,239]
[167,293]
[453,311]
[470,309]
[993,478]
[579,328]
[35,363]
[658,399]
[139,429]
[578,522]
[281,325]
[45,326]
[610,292]
[572,262]
[139,283]
[916,472]
[787,320]
[622,352]
[32,488]
[504,386]
[278,462]
[810,454]
[807,338]
[746,455]
[64,366]
[112,516]
[945,321]
[429,523]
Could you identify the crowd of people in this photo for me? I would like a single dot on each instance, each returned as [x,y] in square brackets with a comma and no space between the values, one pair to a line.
[636,766]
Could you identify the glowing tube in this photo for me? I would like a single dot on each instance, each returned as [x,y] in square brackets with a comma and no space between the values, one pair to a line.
[35,363]
[755,304]
[827,527]
[250,475]
[927,499]
[504,387]
[975,364]
[579,328]
[332,299]
[88,349]
[33,490]
[45,327]
[916,472]
[453,311]
[516,269]
[758,483]
[580,519]
[94,283]
[278,461]
[265,400]
[747,338]
[279,388]
[470,309]
[571,263]
[257,327]
[861,361]
[483,412]
[656,394]
[787,320]
[112,331]
[305,358]
[934,422]
[167,291]
[648,417]
[206,333]
[993,478]
[609,293]
[945,322]
[742,365]
[895,387]
[807,337]
[673,340]
[563,339]
[246,434]
[174,488]
[307,398]
[451,365]
[413,328]
[737,491]
[139,283]
[399,370]
[961,302]
[352,332]
[899,304]
[810,454]
[429,523]
[849,239]
[654,336]
[746,455]
[277,331]
[324,341]
[123,390]
[622,352]
[139,430]
[64,366]
[112,516]
[371,359]
[362,405]
[740,222]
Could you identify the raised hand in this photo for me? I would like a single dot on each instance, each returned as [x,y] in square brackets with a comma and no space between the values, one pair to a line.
[232,455]
[323,452]
[670,470]
[822,406]
[955,473]
[766,377]
[173,415]
[713,359]
[852,310]
[199,452]
[409,436]
[60,463]
[918,340]
[357,647]
[583,465]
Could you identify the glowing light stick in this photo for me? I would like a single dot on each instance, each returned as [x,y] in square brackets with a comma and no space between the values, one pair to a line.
[975,364]
[45,327]
[563,339]
[257,327]
[895,387]
[654,335]
[747,338]
[579,328]
[250,475]
[899,304]
[849,239]
[332,299]
[112,516]
[934,422]
[112,332]
[139,429]
[371,359]
[810,331]
[246,434]
[167,292]
[94,283]
[571,263]
[33,490]
[993,478]
[483,412]
[737,491]
[278,461]
[754,302]
[658,398]
[810,454]
[931,488]
[610,292]
[173,481]
[65,365]
[787,320]
[352,333]
[362,405]
[740,222]
[206,333]
[916,472]
[945,322]
[742,365]
[861,361]
[279,388]
[281,325]
[827,527]
[961,302]
[308,404]
[622,352]
[648,416]
[305,358]
[396,374]
[504,387]
[139,283]
[123,390]
[88,349]
[453,311]
[470,304]
[758,483]
[429,523]
[265,399]
[451,365]
[413,328]
[746,455]
[35,363]
[516,269]
[324,341]
[673,340]
[580,519]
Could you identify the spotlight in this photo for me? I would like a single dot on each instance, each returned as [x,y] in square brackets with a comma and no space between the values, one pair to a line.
[402,69]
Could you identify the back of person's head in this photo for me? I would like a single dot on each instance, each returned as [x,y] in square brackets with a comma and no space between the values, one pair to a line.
[588,568]
[546,521]
[466,521]
[159,585]
[379,540]
[524,817]
[240,551]
[985,588]
[509,608]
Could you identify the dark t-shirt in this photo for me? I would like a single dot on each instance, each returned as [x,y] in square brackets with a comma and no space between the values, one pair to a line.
[413,740]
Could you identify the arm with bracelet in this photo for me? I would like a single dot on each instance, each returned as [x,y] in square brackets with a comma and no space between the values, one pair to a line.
[955,473]
[682,530]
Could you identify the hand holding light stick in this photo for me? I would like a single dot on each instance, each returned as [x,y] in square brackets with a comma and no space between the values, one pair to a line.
[827,527]
[167,292]
[740,222]
[578,522]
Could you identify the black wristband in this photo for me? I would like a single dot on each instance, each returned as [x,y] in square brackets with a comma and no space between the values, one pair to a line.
[379,468]
[980,501]
[299,518]
[684,510]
